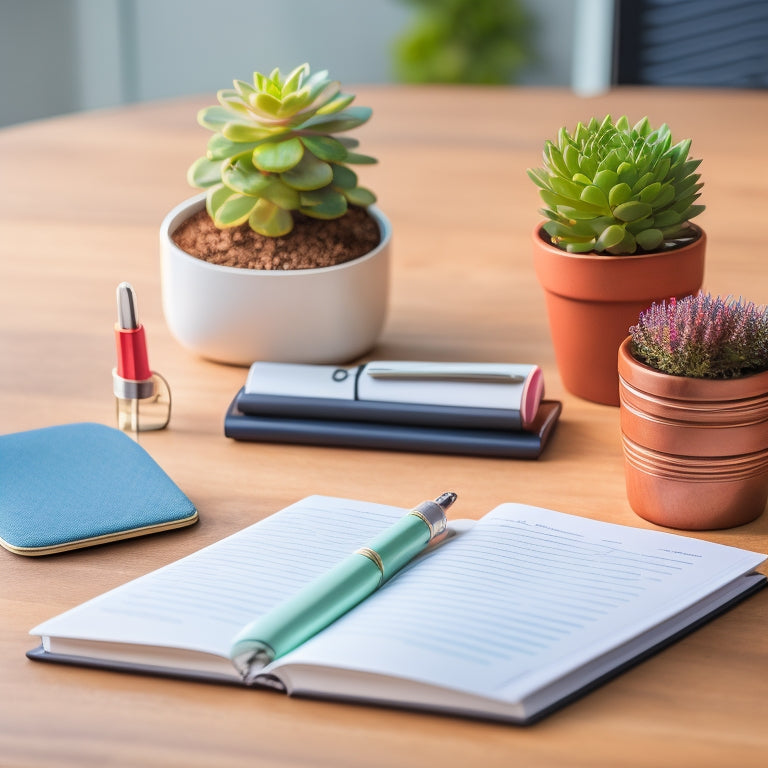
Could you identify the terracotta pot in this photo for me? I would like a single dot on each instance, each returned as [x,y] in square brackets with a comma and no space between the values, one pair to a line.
[327,315]
[695,450]
[593,299]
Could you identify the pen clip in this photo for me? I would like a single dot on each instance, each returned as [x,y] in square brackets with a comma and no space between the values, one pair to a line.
[484,377]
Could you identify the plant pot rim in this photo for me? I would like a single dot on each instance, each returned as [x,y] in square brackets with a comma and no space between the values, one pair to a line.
[610,279]
[191,205]
[649,379]
[592,256]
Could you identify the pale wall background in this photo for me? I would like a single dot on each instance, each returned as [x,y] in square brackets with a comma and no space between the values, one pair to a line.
[59,56]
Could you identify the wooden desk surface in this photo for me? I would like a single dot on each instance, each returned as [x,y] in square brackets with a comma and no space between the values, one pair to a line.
[81,200]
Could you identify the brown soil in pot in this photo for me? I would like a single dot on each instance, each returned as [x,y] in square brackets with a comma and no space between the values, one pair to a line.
[312,243]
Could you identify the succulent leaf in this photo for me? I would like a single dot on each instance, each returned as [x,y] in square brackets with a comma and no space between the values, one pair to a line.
[650,193]
[345,120]
[627,246]
[324,204]
[344,177]
[234,211]
[278,157]
[294,103]
[215,196]
[325,148]
[610,237]
[576,246]
[309,173]
[606,180]
[274,151]
[554,157]
[649,239]
[579,214]
[632,211]
[282,195]
[620,193]
[553,200]
[571,158]
[665,197]
[204,173]
[538,177]
[241,132]
[359,196]
[293,80]
[242,177]
[338,103]
[611,187]
[242,89]
[353,158]
[267,104]
[666,218]
[213,118]
[593,194]
[565,187]
[692,211]
[269,219]
[221,148]
[642,183]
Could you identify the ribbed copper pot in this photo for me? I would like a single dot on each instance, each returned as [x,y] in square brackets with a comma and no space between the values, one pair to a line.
[695,450]
[593,299]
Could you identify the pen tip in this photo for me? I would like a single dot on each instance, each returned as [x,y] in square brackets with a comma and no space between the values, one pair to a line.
[445,500]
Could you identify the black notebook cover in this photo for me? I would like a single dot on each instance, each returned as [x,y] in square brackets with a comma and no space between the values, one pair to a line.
[516,444]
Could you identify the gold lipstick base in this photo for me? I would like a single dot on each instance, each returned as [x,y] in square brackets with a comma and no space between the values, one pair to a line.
[142,406]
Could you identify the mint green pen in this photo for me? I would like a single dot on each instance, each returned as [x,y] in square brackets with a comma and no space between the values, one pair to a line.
[334,593]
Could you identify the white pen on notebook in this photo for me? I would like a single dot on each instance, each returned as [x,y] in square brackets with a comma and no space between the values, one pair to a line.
[512,390]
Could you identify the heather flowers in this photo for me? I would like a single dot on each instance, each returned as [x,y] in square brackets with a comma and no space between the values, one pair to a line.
[703,337]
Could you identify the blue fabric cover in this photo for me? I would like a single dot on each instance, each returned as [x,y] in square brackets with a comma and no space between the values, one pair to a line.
[62,484]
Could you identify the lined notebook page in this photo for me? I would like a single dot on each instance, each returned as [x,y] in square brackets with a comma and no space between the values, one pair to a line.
[202,601]
[523,596]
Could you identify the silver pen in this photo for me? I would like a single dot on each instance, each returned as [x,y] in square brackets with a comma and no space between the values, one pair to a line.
[469,376]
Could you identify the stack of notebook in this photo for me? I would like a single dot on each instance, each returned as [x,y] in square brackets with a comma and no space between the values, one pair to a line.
[482,409]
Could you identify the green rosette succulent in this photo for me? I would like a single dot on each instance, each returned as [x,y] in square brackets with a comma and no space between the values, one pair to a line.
[274,151]
[615,188]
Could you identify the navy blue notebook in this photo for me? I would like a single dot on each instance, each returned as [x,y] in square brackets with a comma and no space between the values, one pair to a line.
[78,485]
[382,435]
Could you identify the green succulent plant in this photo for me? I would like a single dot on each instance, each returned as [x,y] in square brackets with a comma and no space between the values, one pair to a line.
[615,188]
[274,151]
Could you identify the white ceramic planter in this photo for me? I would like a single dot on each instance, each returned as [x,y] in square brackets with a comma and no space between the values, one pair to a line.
[329,315]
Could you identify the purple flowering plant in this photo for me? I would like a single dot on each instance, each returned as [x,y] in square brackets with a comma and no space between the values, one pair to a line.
[703,336]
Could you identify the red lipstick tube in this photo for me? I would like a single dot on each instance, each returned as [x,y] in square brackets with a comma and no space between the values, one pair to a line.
[142,395]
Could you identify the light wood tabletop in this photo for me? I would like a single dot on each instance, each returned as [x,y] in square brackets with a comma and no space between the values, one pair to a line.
[81,201]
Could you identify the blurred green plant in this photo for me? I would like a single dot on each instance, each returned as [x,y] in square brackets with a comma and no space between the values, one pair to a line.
[274,151]
[617,188]
[483,42]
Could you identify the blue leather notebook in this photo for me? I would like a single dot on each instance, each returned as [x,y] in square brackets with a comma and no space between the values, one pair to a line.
[79,485]
[270,427]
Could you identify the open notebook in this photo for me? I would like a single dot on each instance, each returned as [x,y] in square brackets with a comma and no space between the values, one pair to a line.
[511,616]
